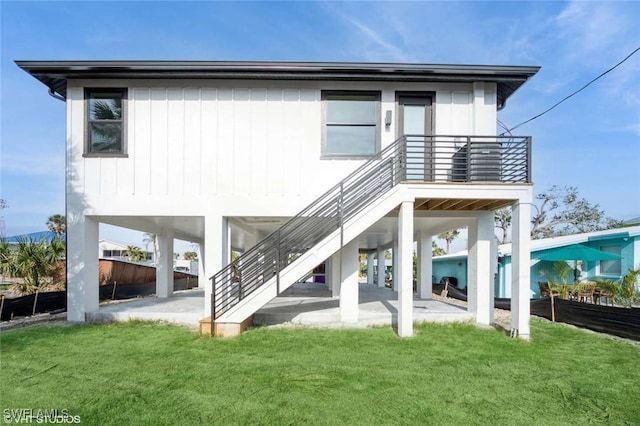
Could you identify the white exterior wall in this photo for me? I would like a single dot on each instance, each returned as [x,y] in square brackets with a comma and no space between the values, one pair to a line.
[214,149]
[250,148]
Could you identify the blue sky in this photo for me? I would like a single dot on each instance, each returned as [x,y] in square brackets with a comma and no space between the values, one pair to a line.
[591,141]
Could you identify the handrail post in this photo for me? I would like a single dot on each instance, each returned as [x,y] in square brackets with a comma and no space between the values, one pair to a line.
[528,159]
[468,168]
[213,300]
[405,143]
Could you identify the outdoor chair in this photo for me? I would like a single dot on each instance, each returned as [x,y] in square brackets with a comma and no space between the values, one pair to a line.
[584,292]
[607,295]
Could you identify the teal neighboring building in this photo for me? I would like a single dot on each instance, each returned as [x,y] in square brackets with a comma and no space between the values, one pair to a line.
[624,242]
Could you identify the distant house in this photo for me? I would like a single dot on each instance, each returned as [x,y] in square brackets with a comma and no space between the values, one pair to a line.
[118,251]
[291,164]
[624,242]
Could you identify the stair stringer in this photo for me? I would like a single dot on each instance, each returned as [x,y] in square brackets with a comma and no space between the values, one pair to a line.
[316,255]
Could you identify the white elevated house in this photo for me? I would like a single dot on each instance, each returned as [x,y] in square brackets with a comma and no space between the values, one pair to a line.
[292,164]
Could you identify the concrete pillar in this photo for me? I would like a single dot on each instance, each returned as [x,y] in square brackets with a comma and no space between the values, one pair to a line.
[82,266]
[217,253]
[394,265]
[328,274]
[479,269]
[494,275]
[164,264]
[520,270]
[370,264]
[349,285]
[382,268]
[202,277]
[405,269]
[336,274]
[425,266]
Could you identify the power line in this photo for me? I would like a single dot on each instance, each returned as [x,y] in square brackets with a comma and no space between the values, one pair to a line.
[574,93]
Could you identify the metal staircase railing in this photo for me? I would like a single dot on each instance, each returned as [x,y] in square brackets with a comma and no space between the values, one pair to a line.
[411,158]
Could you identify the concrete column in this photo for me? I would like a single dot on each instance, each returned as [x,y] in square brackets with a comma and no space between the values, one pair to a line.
[217,253]
[370,268]
[202,278]
[328,274]
[349,285]
[520,270]
[164,264]
[336,274]
[425,266]
[405,269]
[82,266]
[494,273]
[479,269]
[382,267]
[394,265]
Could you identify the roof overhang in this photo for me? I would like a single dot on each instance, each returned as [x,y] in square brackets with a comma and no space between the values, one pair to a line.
[55,74]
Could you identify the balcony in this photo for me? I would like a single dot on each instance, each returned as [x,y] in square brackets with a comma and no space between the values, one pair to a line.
[465,159]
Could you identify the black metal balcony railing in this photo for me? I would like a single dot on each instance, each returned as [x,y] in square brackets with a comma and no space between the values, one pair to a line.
[410,159]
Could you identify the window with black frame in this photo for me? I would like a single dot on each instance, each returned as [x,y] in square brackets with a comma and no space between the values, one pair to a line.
[105,121]
[350,124]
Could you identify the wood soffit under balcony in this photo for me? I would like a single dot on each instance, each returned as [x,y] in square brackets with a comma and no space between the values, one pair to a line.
[456,204]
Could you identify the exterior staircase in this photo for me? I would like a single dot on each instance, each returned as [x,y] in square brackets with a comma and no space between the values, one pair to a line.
[348,209]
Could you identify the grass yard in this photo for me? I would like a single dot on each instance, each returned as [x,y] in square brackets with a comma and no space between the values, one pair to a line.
[145,373]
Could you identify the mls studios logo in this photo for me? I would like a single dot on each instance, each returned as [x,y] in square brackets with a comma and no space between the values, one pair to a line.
[28,415]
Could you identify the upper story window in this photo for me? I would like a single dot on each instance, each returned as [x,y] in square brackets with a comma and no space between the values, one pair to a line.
[351,126]
[105,127]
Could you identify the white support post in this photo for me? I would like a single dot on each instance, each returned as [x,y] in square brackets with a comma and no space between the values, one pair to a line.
[425,266]
[382,268]
[494,273]
[216,252]
[405,269]
[336,274]
[202,277]
[82,267]
[394,265]
[349,286]
[520,270]
[370,268]
[328,273]
[480,278]
[164,264]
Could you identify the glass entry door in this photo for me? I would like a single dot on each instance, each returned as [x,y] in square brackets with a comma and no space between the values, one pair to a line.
[415,121]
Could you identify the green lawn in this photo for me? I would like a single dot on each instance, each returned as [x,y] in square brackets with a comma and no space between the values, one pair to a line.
[145,373]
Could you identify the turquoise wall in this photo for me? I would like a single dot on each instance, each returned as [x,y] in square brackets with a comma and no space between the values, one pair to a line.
[630,260]
[451,268]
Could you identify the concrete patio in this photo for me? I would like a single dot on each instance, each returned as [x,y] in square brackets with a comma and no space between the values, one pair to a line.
[312,305]
[304,304]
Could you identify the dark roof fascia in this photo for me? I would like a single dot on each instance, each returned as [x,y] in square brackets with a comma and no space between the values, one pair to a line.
[54,74]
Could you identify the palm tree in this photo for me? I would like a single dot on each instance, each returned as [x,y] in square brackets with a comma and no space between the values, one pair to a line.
[36,262]
[135,253]
[190,255]
[57,224]
[436,250]
[149,238]
[449,236]
[6,264]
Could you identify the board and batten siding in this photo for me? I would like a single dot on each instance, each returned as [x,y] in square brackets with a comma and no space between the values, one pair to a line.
[248,144]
